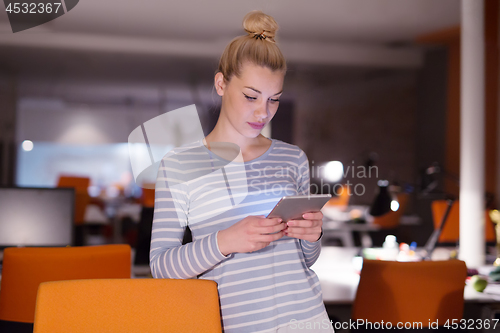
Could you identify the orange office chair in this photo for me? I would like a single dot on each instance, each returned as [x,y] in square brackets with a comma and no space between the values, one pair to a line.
[342,199]
[128,305]
[451,230]
[410,291]
[148,195]
[25,268]
[82,198]
[391,219]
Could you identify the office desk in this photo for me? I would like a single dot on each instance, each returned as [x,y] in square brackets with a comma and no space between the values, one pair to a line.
[339,223]
[344,231]
[339,277]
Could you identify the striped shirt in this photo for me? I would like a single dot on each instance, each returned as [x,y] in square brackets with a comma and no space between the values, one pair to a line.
[259,291]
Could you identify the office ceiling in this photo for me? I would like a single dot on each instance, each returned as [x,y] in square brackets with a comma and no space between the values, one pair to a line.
[327,21]
[150,39]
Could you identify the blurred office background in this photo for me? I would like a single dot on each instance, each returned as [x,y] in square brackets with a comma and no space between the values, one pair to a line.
[370,83]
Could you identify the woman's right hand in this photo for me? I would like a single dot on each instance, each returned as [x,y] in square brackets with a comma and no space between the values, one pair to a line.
[250,234]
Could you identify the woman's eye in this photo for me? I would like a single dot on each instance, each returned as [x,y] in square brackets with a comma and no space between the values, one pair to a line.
[250,98]
[274,100]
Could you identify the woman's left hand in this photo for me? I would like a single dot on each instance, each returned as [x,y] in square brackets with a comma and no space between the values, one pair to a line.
[308,229]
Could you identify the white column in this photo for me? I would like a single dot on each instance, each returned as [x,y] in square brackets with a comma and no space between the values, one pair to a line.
[472,115]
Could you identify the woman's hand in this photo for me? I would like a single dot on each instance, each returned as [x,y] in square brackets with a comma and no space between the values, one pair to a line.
[250,234]
[308,229]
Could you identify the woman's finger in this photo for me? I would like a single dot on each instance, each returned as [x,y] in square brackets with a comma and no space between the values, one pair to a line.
[313,216]
[304,223]
[302,231]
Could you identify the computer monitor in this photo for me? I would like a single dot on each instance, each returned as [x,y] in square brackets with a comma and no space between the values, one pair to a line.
[36,216]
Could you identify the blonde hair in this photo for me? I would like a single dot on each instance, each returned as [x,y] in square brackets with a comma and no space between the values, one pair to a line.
[258,46]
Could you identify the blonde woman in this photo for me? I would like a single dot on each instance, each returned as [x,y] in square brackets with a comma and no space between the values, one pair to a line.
[261,265]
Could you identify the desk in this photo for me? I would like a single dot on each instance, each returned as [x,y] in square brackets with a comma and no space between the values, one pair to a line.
[344,231]
[339,278]
[340,223]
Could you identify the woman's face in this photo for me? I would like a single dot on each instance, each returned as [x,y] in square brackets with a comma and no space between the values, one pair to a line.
[250,101]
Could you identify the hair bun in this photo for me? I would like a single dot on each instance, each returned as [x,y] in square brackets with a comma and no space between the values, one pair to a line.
[260,25]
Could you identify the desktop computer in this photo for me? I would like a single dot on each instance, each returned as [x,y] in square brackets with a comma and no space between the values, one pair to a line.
[36,216]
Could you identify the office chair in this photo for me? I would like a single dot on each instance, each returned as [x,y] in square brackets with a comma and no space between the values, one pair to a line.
[25,268]
[451,230]
[148,195]
[390,220]
[82,198]
[410,291]
[341,200]
[128,305]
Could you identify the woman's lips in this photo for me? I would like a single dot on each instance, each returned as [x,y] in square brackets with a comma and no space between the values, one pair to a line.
[257,125]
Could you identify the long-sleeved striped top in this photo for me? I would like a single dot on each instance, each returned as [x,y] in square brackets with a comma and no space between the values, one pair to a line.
[259,291]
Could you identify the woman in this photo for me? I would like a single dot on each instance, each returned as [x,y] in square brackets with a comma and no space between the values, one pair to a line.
[261,265]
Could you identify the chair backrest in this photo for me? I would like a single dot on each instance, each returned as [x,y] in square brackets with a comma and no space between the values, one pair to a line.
[391,219]
[82,198]
[410,291]
[451,230]
[344,193]
[78,183]
[148,195]
[128,305]
[25,268]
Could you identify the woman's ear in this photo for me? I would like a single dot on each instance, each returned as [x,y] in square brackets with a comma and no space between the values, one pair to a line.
[220,84]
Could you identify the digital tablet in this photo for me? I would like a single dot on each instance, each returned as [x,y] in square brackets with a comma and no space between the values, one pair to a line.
[293,207]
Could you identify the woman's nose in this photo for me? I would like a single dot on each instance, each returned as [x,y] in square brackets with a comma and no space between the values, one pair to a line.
[262,112]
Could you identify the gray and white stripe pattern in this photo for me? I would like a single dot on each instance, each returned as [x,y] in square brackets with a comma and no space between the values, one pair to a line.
[259,291]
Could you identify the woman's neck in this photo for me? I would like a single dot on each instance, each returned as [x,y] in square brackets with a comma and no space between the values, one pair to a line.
[251,148]
[224,132]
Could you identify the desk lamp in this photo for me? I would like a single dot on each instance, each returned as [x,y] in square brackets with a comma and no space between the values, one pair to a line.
[382,203]
[430,180]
